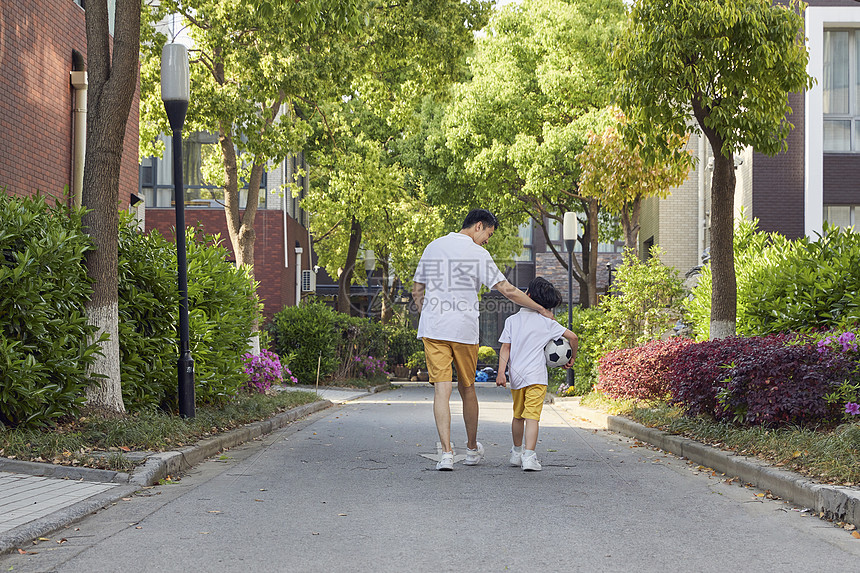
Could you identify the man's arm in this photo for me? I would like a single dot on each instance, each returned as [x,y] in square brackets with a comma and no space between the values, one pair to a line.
[418,295]
[514,294]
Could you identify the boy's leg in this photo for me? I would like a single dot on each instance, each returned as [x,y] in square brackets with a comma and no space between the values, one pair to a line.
[531,433]
[517,425]
[534,397]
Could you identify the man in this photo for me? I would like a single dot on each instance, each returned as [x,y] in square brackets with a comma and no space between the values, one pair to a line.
[445,289]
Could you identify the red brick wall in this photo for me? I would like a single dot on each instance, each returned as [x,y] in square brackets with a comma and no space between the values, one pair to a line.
[277,282]
[36,99]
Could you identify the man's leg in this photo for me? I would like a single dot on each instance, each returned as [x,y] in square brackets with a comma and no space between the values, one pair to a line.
[442,412]
[470,414]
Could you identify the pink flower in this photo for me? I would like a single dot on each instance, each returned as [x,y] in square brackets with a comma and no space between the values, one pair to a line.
[852,408]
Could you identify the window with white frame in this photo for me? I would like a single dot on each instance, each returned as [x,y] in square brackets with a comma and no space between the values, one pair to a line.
[841,87]
[842,216]
[526,231]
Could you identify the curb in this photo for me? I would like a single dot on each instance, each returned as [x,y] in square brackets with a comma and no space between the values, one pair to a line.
[833,502]
[156,467]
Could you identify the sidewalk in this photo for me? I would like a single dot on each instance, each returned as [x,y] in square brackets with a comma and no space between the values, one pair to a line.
[38,498]
[828,501]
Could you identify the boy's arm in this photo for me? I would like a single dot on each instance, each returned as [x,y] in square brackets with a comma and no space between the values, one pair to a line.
[504,356]
[514,294]
[574,346]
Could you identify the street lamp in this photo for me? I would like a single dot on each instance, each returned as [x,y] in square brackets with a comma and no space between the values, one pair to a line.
[570,231]
[369,265]
[175,91]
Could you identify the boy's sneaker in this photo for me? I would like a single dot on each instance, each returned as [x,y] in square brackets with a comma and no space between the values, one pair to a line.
[516,458]
[474,457]
[531,463]
[446,462]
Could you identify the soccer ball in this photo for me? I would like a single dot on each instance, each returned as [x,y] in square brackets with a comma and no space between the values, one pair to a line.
[557,352]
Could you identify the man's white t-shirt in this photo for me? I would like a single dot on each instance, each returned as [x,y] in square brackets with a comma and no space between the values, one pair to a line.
[452,269]
[528,332]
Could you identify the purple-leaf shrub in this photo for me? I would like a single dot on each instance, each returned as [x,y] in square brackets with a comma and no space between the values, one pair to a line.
[264,370]
[698,373]
[772,383]
[639,372]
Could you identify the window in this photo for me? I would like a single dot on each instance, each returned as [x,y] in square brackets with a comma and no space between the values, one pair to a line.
[200,162]
[554,230]
[842,216]
[525,232]
[841,88]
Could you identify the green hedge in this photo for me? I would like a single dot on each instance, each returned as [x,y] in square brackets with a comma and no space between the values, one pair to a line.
[44,349]
[223,307]
[313,334]
[787,285]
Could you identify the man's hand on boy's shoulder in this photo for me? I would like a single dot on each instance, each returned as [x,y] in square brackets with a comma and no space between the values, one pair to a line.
[547,313]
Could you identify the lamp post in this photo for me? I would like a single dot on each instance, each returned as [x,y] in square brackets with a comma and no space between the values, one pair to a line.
[175,91]
[570,231]
[369,265]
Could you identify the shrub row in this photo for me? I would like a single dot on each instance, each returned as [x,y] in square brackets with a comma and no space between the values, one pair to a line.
[771,380]
[45,341]
[787,285]
[315,338]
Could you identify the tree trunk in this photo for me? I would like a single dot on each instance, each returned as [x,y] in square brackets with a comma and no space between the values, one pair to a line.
[586,273]
[592,208]
[240,222]
[344,281]
[112,79]
[630,224]
[387,294]
[724,291]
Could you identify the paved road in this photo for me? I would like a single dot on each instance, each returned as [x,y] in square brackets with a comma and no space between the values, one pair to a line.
[349,489]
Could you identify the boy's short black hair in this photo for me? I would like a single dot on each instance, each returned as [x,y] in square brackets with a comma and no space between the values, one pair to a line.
[542,292]
[480,216]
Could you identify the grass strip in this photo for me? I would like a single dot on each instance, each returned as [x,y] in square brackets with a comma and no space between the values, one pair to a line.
[831,455]
[102,443]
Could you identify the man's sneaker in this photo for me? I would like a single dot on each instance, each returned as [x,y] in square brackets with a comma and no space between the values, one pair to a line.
[474,457]
[516,458]
[446,462]
[531,463]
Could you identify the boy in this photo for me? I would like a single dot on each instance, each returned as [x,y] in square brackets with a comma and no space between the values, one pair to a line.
[523,339]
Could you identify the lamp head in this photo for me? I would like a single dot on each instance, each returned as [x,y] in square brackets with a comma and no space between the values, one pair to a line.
[175,83]
[570,229]
[369,260]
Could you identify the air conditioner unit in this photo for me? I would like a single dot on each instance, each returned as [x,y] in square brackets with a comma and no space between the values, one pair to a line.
[309,281]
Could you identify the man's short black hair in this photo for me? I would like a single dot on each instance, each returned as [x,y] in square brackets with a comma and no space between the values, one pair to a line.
[542,292]
[480,216]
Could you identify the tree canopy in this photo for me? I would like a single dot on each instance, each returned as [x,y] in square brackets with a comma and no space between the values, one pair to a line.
[729,65]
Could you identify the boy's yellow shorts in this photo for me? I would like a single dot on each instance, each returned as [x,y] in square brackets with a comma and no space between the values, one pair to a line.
[441,353]
[528,401]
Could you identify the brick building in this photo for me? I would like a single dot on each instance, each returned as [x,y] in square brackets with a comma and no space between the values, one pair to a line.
[816,179]
[282,263]
[38,45]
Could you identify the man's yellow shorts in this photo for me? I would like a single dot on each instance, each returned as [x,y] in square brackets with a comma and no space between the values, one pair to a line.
[528,401]
[441,353]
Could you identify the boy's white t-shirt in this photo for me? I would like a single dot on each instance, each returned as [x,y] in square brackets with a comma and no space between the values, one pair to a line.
[452,269]
[528,332]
